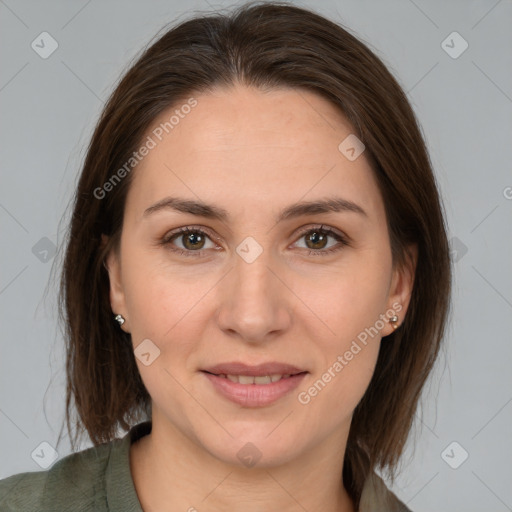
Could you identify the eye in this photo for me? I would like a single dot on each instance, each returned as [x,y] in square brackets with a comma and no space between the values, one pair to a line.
[193,241]
[316,240]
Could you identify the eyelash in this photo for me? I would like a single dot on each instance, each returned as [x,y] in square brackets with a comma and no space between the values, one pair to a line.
[167,240]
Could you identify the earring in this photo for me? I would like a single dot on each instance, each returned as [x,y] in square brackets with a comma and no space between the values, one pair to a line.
[394,321]
[120,319]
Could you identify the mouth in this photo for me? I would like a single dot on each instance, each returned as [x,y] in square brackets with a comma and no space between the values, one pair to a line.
[268,369]
[260,379]
[254,386]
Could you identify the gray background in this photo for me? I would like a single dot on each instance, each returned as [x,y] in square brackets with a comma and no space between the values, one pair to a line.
[49,108]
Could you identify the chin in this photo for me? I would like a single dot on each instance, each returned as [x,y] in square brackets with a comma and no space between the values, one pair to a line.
[255,447]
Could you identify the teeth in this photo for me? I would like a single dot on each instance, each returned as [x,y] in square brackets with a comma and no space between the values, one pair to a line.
[263,379]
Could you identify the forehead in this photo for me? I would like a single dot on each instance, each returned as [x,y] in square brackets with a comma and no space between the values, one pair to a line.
[243,118]
[242,144]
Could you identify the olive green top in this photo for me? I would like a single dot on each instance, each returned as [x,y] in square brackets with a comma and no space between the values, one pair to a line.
[98,479]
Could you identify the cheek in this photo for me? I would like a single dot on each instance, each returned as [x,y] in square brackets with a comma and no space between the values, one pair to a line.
[162,306]
[347,386]
[349,302]
[168,308]
[159,297]
[348,364]
[350,298]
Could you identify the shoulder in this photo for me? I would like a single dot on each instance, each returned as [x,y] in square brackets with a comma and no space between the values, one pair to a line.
[75,482]
[376,497]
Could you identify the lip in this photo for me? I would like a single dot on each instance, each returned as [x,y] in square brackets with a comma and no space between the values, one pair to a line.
[269,368]
[254,395]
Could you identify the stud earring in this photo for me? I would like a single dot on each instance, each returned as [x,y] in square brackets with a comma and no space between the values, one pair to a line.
[394,321]
[120,319]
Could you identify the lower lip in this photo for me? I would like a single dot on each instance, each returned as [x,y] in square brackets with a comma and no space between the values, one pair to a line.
[254,395]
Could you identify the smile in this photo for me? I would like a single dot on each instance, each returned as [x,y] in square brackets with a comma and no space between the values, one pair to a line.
[254,391]
[248,379]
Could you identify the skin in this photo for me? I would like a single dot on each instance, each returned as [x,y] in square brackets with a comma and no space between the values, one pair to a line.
[252,153]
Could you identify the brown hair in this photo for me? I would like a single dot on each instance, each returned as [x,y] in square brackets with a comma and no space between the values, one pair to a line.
[264,45]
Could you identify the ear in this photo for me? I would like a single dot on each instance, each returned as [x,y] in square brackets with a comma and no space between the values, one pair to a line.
[400,290]
[117,297]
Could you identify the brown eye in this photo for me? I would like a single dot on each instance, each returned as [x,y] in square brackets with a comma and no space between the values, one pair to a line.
[188,241]
[316,240]
[194,240]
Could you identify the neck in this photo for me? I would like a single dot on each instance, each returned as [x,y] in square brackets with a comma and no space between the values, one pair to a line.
[170,472]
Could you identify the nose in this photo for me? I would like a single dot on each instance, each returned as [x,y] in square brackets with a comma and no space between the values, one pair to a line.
[255,304]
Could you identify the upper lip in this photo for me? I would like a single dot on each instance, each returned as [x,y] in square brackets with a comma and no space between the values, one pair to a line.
[237,368]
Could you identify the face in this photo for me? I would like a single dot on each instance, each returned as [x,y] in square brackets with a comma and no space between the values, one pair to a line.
[255,279]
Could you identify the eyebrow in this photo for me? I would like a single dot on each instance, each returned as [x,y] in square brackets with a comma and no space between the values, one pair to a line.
[201,209]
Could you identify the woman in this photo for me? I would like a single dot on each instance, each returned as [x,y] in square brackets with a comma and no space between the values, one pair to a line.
[257,277]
